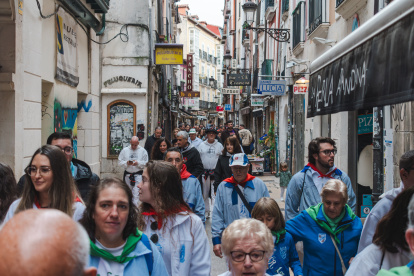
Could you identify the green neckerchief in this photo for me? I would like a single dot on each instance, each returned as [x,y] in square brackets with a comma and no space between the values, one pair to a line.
[333,223]
[130,245]
[278,233]
[313,213]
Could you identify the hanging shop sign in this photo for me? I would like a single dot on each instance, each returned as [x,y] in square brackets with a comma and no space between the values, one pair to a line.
[377,71]
[230,91]
[67,50]
[300,89]
[365,124]
[272,87]
[190,66]
[168,54]
[190,94]
[238,80]
[219,108]
[124,79]
[256,100]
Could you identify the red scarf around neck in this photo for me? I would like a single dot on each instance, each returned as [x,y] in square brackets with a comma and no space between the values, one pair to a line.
[328,175]
[243,183]
[160,216]
[184,173]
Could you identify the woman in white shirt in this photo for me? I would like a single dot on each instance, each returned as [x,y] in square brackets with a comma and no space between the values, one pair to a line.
[169,222]
[117,246]
[389,247]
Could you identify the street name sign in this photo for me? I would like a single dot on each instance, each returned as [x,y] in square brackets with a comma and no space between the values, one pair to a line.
[231,91]
[271,87]
[238,80]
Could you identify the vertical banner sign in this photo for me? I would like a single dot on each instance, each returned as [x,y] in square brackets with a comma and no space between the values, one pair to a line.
[66,44]
[190,72]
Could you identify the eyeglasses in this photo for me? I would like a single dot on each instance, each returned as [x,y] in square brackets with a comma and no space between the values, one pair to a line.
[240,256]
[32,171]
[66,150]
[328,152]
[238,169]
[154,227]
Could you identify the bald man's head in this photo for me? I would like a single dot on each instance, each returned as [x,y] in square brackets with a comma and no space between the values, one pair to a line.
[44,243]
[134,142]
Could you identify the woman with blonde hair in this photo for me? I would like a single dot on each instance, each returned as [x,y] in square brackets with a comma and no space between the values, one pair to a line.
[49,184]
[330,232]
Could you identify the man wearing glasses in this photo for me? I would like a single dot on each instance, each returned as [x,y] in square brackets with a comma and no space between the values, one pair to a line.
[406,166]
[305,186]
[81,172]
[235,198]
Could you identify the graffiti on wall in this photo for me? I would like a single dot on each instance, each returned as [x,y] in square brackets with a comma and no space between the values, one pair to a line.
[82,104]
[65,120]
[398,112]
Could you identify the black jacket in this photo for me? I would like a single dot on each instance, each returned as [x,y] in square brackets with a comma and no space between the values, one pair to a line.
[193,162]
[223,171]
[84,179]
[150,143]
[226,134]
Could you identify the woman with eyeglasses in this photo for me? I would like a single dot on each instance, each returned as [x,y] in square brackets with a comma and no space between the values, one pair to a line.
[247,245]
[169,222]
[117,246]
[49,185]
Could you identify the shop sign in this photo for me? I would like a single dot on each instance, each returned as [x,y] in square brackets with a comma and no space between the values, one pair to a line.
[168,54]
[238,80]
[256,100]
[231,91]
[300,89]
[219,108]
[122,78]
[190,94]
[271,87]
[227,107]
[191,103]
[190,66]
[365,124]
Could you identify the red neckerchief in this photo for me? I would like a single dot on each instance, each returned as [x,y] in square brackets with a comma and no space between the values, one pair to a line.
[152,212]
[321,174]
[36,202]
[184,173]
[243,183]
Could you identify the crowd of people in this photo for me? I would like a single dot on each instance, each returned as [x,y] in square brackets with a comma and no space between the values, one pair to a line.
[152,222]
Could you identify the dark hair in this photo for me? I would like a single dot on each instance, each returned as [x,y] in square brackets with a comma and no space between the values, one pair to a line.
[173,149]
[8,189]
[242,125]
[390,232]
[63,188]
[59,135]
[268,206]
[166,189]
[407,160]
[156,154]
[236,145]
[229,121]
[314,147]
[87,220]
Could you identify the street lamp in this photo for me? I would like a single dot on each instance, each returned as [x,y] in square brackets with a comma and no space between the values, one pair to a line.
[211,79]
[227,58]
[249,8]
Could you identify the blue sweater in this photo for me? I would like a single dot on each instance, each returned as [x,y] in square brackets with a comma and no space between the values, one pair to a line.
[320,256]
[284,256]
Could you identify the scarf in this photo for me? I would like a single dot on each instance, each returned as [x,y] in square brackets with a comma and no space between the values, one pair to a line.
[313,213]
[278,234]
[130,245]
[162,215]
[243,183]
[328,175]
[333,223]
[184,173]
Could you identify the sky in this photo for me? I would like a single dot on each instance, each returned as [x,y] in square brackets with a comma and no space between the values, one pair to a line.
[207,10]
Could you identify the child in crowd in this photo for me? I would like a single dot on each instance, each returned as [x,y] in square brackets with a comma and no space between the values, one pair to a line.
[284,254]
[285,176]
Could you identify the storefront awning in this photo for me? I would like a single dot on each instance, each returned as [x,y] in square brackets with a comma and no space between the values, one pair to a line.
[187,114]
[257,112]
[373,66]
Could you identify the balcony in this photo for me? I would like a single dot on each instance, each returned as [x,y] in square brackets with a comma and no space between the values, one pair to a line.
[347,8]
[270,9]
[318,19]
[204,55]
[203,104]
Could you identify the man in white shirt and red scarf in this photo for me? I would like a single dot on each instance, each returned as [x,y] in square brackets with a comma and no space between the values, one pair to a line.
[235,198]
[305,186]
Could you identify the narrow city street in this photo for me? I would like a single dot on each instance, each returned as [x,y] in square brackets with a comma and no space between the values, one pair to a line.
[218,265]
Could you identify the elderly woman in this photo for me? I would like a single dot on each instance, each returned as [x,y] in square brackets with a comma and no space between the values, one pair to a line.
[330,232]
[247,245]
[117,246]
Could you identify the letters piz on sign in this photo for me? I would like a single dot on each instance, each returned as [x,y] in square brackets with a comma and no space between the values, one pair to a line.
[232,91]
[190,94]
[271,87]
[238,80]
[300,89]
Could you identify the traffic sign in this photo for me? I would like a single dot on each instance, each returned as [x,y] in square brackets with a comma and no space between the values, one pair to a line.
[271,87]
[190,94]
[227,107]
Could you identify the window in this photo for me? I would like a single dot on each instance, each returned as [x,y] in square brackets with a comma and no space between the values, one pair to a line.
[298,34]
[317,14]
[192,41]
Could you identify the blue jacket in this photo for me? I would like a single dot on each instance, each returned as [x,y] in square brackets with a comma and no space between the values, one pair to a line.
[226,209]
[320,256]
[146,255]
[302,192]
[284,256]
[193,196]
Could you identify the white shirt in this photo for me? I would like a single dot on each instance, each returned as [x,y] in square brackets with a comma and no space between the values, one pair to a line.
[140,155]
[112,268]
[320,181]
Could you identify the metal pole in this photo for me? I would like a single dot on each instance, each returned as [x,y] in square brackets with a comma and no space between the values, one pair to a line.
[378,154]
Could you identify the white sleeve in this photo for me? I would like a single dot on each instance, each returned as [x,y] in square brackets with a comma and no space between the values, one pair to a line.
[143,160]
[123,159]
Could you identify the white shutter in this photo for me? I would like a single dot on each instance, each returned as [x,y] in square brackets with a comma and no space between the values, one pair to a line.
[191,40]
[262,12]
